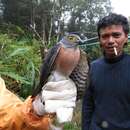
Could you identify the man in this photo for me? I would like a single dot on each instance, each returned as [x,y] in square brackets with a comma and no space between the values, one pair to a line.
[106,103]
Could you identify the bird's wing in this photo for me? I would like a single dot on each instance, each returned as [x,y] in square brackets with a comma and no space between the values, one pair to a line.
[80,75]
[47,67]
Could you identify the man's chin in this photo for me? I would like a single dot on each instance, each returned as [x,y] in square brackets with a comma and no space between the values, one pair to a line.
[110,55]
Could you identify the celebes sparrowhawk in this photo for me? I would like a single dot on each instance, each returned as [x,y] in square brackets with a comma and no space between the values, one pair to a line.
[67,59]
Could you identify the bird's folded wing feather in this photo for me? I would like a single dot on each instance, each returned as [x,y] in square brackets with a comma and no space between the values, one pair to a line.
[47,67]
[80,75]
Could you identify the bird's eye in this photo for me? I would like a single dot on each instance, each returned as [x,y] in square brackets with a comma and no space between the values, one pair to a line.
[72,39]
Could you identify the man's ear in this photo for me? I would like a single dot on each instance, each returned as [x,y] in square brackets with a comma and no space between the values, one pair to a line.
[100,45]
[126,42]
[126,35]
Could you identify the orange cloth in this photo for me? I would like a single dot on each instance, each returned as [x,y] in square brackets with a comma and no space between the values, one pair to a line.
[18,115]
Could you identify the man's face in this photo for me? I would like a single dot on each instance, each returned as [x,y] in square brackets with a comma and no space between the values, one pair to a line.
[112,37]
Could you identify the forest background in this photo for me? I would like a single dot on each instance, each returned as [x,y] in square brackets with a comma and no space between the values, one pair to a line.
[28,28]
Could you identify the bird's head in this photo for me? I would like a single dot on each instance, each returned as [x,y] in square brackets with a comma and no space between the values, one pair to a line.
[71,40]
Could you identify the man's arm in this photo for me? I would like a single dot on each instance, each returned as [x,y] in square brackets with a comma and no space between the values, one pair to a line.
[87,108]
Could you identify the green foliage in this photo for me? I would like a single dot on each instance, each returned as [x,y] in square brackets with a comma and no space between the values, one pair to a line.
[71,126]
[93,51]
[86,13]
[11,29]
[55,17]
[127,47]
[17,11]
[19,63]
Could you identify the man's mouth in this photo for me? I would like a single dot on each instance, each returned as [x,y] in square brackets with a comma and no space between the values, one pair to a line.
[112,50]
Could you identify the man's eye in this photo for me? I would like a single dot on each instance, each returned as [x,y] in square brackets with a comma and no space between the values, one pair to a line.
[116,35]
[105,36]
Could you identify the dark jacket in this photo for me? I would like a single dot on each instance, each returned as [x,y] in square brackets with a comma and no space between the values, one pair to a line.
[106,103]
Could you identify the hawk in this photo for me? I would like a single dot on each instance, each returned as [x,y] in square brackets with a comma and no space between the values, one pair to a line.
[68,60]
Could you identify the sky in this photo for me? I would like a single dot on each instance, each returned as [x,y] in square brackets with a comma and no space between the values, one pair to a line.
[121,7]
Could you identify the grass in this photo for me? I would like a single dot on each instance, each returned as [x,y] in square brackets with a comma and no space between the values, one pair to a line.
[75,124]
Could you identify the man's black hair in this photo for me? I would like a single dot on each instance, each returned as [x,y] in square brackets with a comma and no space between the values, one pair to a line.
[113,19]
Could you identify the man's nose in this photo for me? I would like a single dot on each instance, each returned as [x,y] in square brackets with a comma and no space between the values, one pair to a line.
[111,40]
